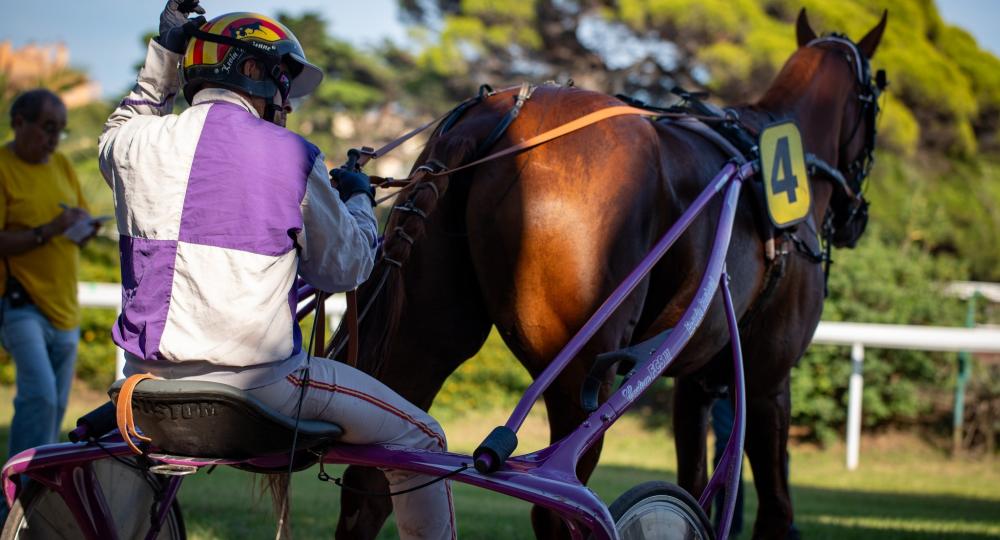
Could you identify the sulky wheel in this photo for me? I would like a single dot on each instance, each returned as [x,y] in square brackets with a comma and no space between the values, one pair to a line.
[41,513]
[659,511]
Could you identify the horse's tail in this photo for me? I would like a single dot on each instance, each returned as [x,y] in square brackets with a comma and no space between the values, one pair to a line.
[277,484]
[406,226]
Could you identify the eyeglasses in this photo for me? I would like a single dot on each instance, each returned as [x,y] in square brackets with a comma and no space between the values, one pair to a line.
[53,130]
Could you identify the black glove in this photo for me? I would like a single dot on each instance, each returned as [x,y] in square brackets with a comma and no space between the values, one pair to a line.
[172,21]
[349,183]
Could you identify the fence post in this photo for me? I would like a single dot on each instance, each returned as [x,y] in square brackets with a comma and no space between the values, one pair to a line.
[961,380]
[854,405]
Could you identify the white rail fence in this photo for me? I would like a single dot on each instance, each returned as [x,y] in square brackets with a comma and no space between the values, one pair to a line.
[894,336]
[856,335]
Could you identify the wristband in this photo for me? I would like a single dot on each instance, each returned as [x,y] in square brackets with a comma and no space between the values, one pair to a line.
[39,235]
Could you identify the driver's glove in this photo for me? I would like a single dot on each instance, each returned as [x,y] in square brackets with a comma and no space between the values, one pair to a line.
[172,21]
[349,183]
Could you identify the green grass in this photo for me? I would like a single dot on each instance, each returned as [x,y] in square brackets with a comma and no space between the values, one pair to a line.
[902,489]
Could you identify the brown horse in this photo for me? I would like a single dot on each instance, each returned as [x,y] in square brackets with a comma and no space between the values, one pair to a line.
[533,243]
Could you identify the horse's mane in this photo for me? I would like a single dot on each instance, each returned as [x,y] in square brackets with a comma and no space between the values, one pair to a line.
[403,230]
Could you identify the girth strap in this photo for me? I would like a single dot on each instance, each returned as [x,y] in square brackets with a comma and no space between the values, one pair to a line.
[123,413]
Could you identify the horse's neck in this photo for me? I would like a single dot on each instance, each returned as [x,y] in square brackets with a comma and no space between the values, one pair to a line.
[819,125]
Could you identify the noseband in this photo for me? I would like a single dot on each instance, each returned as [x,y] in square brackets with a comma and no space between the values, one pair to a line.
[849,214]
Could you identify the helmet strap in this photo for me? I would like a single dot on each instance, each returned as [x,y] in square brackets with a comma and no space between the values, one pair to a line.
[271,110]
[280,80]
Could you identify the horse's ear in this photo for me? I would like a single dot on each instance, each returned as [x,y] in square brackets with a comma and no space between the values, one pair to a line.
[803,32]
[870,42]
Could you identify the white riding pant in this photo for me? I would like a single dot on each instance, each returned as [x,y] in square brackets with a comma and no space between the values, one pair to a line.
[371,413]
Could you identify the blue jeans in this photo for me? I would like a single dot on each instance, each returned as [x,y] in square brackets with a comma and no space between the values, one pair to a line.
[722,424]
[44,357]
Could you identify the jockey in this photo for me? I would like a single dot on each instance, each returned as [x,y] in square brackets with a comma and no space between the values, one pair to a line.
[218,209]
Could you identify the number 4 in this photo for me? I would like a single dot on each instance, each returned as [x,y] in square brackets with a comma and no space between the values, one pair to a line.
[786,182]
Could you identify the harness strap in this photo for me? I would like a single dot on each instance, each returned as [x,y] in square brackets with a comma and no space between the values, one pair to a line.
[353,334]
[700,128]
[554,133]
[123,411]
[446,120]
[817,165]
[522,95]
[319,337]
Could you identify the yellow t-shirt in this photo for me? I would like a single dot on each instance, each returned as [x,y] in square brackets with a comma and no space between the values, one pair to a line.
[30,195]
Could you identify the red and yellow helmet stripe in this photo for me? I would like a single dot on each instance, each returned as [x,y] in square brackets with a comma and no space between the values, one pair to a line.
[242,26]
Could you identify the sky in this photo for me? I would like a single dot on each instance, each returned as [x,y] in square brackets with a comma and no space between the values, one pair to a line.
[103,36]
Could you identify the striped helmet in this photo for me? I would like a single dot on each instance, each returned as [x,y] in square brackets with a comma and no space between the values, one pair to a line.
[219,47]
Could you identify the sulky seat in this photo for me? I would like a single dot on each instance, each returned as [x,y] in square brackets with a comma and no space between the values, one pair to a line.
[213,420]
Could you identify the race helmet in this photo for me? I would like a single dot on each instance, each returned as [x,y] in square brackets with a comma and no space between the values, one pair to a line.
[218,48]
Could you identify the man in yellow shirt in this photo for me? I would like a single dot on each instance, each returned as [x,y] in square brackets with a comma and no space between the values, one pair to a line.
[40,199]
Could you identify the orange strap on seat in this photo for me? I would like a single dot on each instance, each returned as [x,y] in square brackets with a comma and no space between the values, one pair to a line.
[123,411]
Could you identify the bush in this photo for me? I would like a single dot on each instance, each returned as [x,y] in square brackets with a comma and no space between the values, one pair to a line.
[491,379]
[95,362]
[878,283]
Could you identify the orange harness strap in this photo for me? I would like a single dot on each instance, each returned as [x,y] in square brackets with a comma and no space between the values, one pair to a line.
[123,411]
[569,127]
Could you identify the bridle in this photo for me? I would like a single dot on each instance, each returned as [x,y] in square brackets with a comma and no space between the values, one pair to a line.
[848,213]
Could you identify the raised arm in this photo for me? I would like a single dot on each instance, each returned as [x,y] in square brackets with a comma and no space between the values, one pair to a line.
[157,84]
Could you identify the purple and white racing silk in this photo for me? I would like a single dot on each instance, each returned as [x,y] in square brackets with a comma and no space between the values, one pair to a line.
[217,212]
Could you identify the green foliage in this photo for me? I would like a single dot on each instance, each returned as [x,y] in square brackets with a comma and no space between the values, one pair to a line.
[878,283]
[85,125]
[941,207]
[99,260]
[492,378]
[734,61]
[898,130]
[349,94]
[95,362]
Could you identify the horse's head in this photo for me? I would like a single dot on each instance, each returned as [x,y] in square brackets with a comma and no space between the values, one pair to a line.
[828,86]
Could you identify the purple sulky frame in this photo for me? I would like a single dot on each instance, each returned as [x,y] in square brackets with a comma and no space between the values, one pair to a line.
[546,477]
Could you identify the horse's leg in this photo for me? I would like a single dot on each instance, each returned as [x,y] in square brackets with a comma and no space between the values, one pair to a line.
[443,323]
[690,415]
[768,417]
[562,402]
[773,342]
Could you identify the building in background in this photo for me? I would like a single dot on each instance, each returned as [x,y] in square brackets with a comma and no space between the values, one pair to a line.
[47,65]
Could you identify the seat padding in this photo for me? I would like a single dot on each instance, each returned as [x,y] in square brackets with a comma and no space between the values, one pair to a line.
[213,420]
